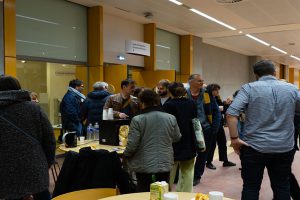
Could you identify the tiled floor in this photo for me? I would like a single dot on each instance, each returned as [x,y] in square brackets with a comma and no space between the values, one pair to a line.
[228,179]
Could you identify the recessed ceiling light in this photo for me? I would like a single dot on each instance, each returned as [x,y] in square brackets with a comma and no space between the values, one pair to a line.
[212,19]
[176,2]
[23,61]
[240,32]
[64,65]
[277,49]
[295,57]
[258,40]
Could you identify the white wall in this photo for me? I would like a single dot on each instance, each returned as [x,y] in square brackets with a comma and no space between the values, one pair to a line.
[116,30]
[229,69]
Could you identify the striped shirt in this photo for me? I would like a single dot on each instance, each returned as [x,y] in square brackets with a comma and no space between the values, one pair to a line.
[269,105]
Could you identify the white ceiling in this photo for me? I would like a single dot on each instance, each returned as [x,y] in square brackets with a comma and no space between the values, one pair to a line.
[277,22]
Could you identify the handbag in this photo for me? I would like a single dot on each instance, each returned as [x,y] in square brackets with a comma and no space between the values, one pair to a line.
[199,134]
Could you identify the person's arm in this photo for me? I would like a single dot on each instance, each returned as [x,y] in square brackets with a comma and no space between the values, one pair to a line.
[134,138]
[237,106]
[84,110]
[236,142]
[176,135]
[216,116]
[48,140]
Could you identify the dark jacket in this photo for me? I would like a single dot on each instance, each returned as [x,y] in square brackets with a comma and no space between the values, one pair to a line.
[92,108]
[24,160]
[91,169]
[184,110]
[70,112]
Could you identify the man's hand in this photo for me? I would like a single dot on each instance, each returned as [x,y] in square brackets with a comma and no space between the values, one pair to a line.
[123,116]
[237,144]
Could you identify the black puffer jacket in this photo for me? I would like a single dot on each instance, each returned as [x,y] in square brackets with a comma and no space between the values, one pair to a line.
[93,106]
[24,161]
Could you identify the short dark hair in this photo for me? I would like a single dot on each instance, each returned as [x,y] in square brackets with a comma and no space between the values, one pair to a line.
[177,89]
[75,83]
[212,87]
[9,83]
[164,82]
[127,82]
[137,91]
[263,68]
[149,98]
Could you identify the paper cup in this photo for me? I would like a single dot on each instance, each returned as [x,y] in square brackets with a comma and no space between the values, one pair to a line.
[170,196]
[81,139]
[215,195]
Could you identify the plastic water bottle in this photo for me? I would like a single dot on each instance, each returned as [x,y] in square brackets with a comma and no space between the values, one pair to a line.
[96,131]
[89,132]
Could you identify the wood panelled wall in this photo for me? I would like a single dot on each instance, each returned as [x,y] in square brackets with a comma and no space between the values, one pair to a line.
[10,37]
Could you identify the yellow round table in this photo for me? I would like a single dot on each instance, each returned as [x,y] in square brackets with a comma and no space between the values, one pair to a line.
[146,196]
[94,145]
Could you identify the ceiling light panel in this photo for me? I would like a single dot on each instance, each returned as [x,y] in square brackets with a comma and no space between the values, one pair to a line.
[176,2]
[257,40]
[297,58]
[277,49]
[212,19]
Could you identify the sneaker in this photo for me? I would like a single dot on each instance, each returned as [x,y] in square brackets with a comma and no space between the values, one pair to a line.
[196,181]
[211,166]
[228,164]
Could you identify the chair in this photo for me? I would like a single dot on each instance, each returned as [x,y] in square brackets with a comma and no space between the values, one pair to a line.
[55,169]
[89,194]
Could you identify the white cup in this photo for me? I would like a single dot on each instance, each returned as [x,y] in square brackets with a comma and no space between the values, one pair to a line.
[215,195]
[81,139]
[221,108]
[110,113]
[170,196]
[104,114]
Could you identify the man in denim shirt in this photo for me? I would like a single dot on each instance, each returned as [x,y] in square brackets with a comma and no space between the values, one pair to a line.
[210,117]
[269,105]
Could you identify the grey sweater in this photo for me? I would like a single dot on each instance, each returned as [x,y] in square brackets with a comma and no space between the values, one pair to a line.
[24,161]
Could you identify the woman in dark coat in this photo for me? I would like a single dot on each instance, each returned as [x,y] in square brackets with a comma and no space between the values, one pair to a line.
[27,144]
[185,150]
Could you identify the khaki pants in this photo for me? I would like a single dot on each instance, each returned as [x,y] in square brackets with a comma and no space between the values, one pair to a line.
[186,175]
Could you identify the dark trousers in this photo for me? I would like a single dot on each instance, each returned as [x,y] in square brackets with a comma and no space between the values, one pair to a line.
[219,139]
[279,170]
[295,189]
[144,180]
[202,156]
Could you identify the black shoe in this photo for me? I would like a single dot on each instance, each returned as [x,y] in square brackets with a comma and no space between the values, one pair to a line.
[211,166]
[196,181]
[228,164]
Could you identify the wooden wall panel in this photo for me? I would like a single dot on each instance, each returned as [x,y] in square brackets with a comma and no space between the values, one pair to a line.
[150,79]
[9,28]
[150,38]
[186,54]
[95,74]
[10,64]
[291,75]
[95,36]
[114,74]
[81,73]
[10,67]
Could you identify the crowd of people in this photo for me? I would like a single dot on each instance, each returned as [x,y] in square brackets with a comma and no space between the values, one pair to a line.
[162,143]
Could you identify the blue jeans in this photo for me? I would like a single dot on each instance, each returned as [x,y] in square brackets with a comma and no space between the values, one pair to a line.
[279,170]
[202,156]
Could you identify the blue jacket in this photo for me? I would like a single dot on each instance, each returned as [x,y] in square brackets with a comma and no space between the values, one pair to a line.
[93,106]
[70,113]
[201,112]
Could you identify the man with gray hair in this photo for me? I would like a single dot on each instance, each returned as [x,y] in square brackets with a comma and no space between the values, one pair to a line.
[268,142]
[93,106]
